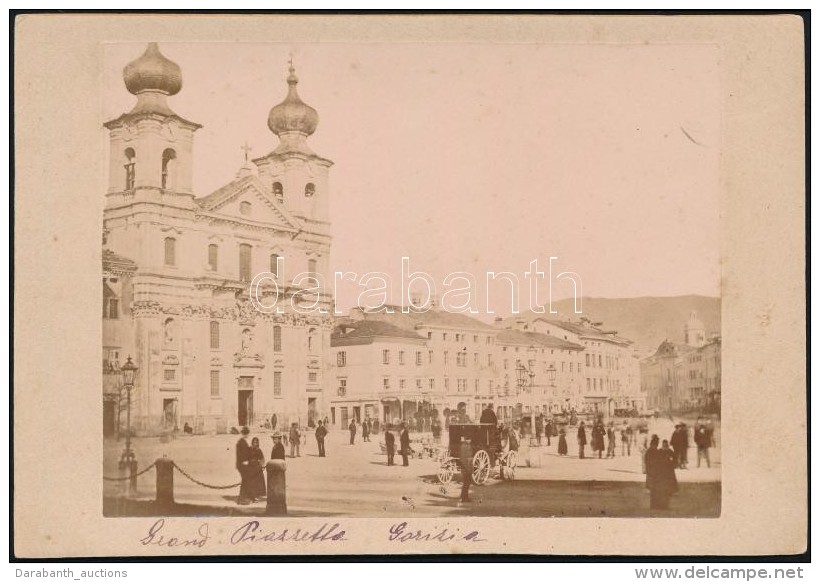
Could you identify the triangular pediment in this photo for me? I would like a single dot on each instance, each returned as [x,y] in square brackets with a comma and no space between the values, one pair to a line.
[245,200]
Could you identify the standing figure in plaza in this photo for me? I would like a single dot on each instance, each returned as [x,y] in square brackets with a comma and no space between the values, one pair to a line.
[626,439]
[582,439]
[465,453]
[548,428]
[295,439]
[680,442]
[539,428]
[562,442]
[389,445]
[256,477]
[703,440]
[243,450]
[660,474]
[598,432]
[404,443]
[352,429]
[435,428]
[321,433]
[643,446]
[610,442]
[375,426]
[365,434]
[277,453]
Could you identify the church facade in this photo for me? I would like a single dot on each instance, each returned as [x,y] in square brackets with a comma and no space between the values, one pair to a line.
[179,270]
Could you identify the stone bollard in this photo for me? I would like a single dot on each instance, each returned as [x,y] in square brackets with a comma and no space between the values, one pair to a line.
[276,488]
[165,483]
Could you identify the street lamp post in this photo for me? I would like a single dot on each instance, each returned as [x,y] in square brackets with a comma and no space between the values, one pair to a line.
[128,460]
[551,371]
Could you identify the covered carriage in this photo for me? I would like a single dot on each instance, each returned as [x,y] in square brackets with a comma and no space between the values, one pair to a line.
[488,453]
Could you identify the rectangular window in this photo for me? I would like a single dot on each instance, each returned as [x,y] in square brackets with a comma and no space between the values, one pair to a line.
[475,339]
[446,357]
[475,358]
[489,360]
[432,384]
[342,386]
[312,376]
[312,269]
[430,356]
[214,335]
[401,384]
[113,308]
[477,386]
[277,339]
[170,251]
[444,336]
[341,359]
[418,358]
[587,359]
[386,383]
[169,374]
[244,262]
[213,257]
[385,356]
[489,340]
[418,384]
[215,383]
[446,383]
[401,358]
[274,265]
[588,382]
[277,383]
[429,335]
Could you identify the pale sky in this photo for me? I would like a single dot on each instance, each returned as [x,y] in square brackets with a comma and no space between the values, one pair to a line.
[482,157]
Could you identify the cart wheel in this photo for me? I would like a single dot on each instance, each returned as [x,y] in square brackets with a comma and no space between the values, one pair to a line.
[481,467]
[511,462]
[445,473]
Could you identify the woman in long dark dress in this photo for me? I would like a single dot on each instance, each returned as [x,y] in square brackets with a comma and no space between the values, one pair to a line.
[660,474]
[562,442]
[256,479]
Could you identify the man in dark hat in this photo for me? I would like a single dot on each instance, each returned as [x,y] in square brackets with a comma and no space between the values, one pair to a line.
[389,445]
[243,457]
[278,450]
[404,442]
[321,433]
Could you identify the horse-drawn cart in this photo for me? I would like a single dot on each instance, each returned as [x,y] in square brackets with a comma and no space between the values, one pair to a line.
[488,454]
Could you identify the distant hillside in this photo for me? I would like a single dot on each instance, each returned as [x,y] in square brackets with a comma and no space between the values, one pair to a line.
[647,320]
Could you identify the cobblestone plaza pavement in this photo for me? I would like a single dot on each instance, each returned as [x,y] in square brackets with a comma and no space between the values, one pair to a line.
[356,481]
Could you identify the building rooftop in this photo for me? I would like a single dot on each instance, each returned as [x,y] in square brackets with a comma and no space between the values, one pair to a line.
[433,317]
[531,338]
[367,331]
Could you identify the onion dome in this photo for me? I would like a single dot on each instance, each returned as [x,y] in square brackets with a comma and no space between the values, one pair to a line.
[153,72]
[292,114]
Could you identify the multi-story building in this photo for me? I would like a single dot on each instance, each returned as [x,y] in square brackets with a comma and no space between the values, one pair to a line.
[178,268]
[685,376]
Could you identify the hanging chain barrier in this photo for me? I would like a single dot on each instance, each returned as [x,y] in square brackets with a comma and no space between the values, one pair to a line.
[198,482]
[127,477]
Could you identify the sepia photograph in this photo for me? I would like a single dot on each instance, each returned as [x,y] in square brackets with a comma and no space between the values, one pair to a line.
[415,291]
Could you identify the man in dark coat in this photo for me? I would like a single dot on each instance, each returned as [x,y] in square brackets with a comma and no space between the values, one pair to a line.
[539,428]
[582,440]
[703,440]
[390,445]
[598,432]
[321,433]
[365,431]
[548,432]
[404,443]
[677,441]
[278,450]
[352,429]
[488,416]
[465,453]
[243,457]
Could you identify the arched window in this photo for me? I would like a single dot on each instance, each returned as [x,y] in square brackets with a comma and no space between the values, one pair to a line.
[278,192]
[170,251]
[277,338]
[170,331]
[310,189]
[168,160]
[274,264]
[214,335]
[130,168]
[311,339]
[213,257]
[244,262]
